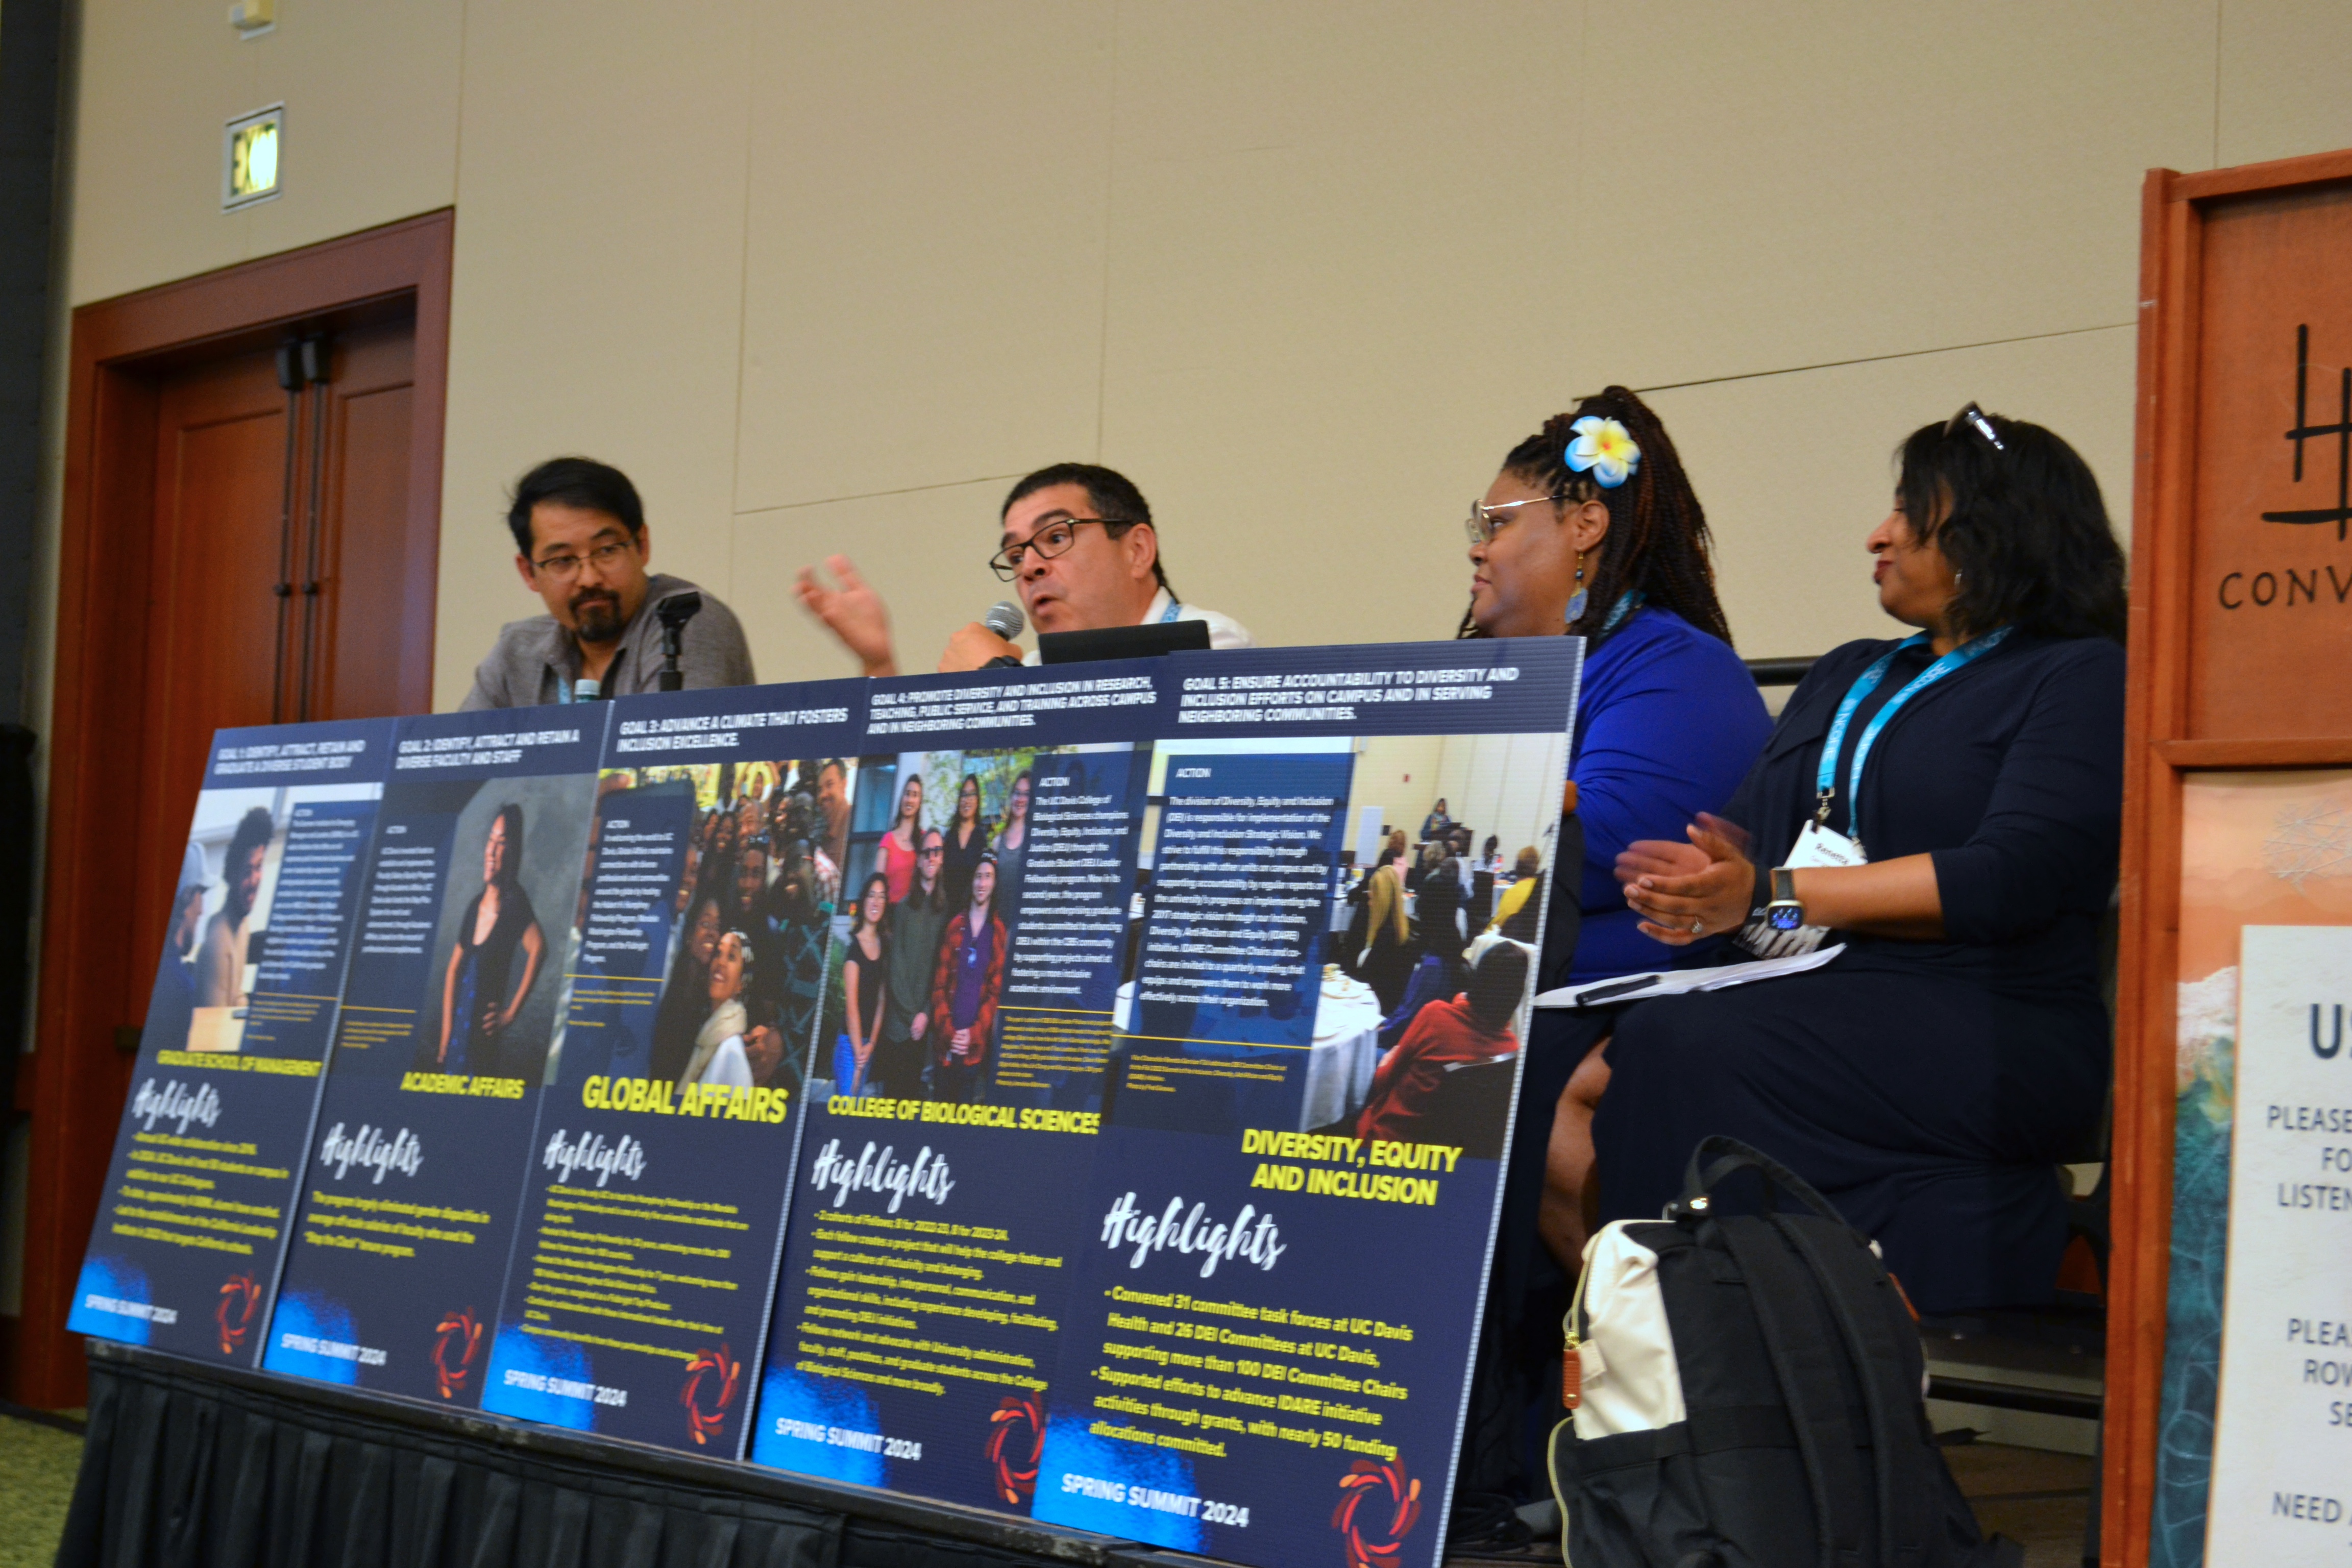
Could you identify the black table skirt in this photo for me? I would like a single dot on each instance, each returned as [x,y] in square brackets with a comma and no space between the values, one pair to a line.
[192,1467]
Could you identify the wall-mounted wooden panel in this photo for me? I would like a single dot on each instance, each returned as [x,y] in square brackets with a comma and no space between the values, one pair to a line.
[2271,523]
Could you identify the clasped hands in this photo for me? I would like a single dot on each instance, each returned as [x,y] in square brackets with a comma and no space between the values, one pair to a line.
[1686,892]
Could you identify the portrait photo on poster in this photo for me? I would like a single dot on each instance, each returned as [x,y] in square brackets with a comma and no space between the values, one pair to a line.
[491,1003]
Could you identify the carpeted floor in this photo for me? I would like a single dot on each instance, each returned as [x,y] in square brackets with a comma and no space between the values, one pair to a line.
[37,1476]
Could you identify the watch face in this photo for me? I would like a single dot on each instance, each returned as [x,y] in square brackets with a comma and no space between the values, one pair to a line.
[1785,917]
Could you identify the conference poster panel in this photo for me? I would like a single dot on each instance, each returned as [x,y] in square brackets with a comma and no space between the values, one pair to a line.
[940,1187]
[453,1004]
[1191,1252]
[720,901]
[1266,1352]
[191,1229]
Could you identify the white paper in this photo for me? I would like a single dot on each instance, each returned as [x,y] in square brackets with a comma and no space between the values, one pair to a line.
[2281,1494]
[1676,982]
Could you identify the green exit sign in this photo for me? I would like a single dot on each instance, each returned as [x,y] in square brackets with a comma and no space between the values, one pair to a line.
[249,157]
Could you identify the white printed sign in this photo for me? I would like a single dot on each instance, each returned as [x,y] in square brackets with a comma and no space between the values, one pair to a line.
[2282,1490]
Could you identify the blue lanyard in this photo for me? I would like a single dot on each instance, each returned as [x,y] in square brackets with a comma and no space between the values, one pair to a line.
[1175,608]
[1825,775]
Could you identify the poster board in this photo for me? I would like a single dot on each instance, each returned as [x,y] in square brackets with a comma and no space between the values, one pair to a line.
[191,1233]
[1087,1106]
[2240,589]
[701,974]
[1134,1271]
[452,1006]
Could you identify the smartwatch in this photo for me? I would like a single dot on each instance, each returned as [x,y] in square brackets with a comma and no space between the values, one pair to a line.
[1784,912]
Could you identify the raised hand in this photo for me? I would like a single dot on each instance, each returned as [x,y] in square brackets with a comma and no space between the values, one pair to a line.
[853,612]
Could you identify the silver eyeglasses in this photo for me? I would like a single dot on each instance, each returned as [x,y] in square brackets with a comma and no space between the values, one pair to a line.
[1485,522]
[1973,418]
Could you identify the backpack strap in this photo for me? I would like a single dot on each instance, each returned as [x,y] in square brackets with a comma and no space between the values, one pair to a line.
[1701,1177]
[1805,1353]
[1856,1290]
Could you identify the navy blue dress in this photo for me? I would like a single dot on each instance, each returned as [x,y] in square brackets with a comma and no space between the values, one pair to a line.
[1928,1088]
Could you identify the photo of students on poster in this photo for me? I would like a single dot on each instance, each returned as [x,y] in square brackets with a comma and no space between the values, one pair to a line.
[706,929]
[702,991]
[452,1007]
[192,1229]
[938,935]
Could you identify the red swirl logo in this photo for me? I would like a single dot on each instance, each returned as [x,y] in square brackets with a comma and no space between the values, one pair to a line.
[710,1381]
[1017,1441]
[240,1297]
[1379,1506]
[454,1344]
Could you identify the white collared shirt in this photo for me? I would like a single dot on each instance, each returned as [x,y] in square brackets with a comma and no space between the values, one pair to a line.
[1224,630]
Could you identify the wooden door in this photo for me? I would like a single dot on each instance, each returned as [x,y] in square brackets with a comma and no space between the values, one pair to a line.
[251,526]
[369,554]
[281,539]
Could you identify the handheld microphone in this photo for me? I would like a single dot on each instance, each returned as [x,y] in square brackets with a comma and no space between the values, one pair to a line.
[1005,619]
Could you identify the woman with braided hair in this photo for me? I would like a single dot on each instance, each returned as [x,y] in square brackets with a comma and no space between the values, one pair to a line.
[1592,527]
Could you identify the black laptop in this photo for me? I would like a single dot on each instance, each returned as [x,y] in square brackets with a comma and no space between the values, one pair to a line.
[1122,642]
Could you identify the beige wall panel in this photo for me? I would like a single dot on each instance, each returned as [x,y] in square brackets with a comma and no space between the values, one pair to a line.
[1800,182]
[1398,775]
[926,550]
[2283,79]
[1795,470]
[371,96]
[597,300]
[925,263]
[1334,301]
[158,80]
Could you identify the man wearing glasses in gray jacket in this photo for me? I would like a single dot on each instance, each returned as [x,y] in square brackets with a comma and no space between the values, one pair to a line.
[582,545]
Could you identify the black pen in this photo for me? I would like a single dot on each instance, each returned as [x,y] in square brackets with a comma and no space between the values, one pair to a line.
[1610,993]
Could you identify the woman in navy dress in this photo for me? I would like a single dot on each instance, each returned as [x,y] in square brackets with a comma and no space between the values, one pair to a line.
[1928,1080]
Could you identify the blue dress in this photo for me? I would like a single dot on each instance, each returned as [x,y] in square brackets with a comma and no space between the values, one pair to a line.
[1668,722]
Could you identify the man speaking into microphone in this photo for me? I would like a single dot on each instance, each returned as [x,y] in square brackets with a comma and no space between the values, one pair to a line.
[1077,543]
[582,545]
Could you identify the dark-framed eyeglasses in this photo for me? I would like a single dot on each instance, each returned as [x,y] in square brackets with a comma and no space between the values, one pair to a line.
[1974,418]
[563,568]
[1485,522]
[1054,539]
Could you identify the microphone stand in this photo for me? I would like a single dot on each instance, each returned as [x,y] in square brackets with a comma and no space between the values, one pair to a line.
[673,613]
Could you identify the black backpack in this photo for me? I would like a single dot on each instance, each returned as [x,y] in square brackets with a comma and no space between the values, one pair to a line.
[1806,1442]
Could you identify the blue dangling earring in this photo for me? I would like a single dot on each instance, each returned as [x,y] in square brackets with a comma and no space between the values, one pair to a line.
[1577,601]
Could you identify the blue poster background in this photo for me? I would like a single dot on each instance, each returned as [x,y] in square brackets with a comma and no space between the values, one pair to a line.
[924,1301]
[1214,1402]
[1228,974]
